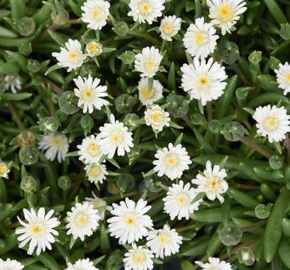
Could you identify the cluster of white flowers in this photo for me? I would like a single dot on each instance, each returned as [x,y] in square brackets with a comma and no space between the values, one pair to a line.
[39,229]
[204,79]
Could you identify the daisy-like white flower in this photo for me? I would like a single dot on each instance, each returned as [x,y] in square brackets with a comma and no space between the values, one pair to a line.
[129,222]
[10,265]
[149,96]
[212,182]
[12,82]
[90,93]
[96,13]
[148,61]
[71,56]
[200,38]
[99,204]
[283,77]
[96,173]
[94,48]
[204,80]
[146,10]
[164,242]
[138,258]
[225,13]
[4,170]
[82,221]
[178,201]
[55,145]
[169,27]
[157,118]
[90,150]
[171,161]
[214,263]
[85,264]
[38,231]
[115,138]
[272,122]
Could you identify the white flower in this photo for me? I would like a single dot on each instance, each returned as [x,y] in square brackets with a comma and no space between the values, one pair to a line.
[272,122]
[94,48]
[90,150]
[82,221]
[115,137]
[169,27]
[225,13]
[204,80]
[96,13]
[71,56]
[96,173]
[90,93]
[81,265]
[146,10]
[149,96]
[148,61]
[129,222]
[99,204]
[214,264]
[4,170]
[200,39]
[38,231]
[12,82]
[56,145]
[212,182]
[171,161]
[138,258]
[283,77]
[10,265]
[164,242]
[178,201]
[157,118]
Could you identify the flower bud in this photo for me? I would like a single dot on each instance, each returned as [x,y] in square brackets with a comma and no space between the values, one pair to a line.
[127,57]
[26,26]
[178,106]
[214,126]
[94,48]
[276,162]
[255,57]
[246,256]
[121,29]
[230,235]
[64,182]
[28,184]
[125,103]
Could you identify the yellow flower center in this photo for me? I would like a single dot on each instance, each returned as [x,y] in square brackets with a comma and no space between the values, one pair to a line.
[163,239]
[116,138]
[56,142]
[226,13]
[82,220]
[203,81]
[72,55]
[171,160]
[94,149]
[96,13]
[88,94]
[130,221]
[148,93]
[95,171]
[156,116]
[150,63]
[168,28]
[145,7]
[36,229]
[139,259]
[92,47]
[288,77]
[272,122]
[2,168]
[181,199]
[199,38]
[214,183]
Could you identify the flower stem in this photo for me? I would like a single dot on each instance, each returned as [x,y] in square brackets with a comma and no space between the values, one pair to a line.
[15,116]
[252,144]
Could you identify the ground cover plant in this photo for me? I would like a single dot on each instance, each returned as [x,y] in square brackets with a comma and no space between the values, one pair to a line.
[144,134]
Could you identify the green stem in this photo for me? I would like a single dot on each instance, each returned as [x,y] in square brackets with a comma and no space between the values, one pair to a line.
[252,144]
